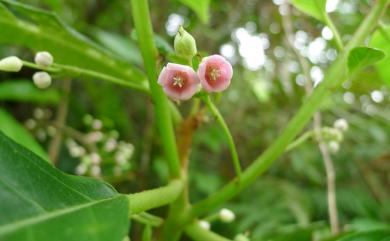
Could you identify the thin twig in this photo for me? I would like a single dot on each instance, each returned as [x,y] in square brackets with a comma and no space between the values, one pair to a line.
[60,121]
[328,162]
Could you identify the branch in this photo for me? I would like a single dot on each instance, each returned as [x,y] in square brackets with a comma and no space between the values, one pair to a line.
[334,76]
[198,233]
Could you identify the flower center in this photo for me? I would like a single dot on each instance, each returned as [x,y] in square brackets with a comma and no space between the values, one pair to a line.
[214,74]
[178,81]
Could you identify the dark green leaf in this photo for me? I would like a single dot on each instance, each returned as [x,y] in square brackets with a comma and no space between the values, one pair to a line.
[377,235]
[200,7]
[361,57]
[25,90]
[38,202]
[14,130]
[314,8]
[42,30]
[381,40]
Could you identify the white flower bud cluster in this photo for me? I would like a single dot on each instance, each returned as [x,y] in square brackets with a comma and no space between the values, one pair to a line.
[226,215]
[117,154]
[38,124]
[42,79]
[334,135]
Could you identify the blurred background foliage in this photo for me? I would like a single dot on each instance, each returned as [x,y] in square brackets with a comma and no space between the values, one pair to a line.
[289,201]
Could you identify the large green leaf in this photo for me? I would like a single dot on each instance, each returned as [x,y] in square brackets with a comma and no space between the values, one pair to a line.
[381,40]
[376,235]
[200,7]
[25,90]
[40,203]
[41,30]
[14,130]
[314,8]
[361,57]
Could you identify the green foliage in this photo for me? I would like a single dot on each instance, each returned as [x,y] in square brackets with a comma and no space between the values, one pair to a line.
[38,202]
[381,40]
[26,91]
[376,235]
[42,30]
[314,8]
[200,7]
[361,57]
[14,130]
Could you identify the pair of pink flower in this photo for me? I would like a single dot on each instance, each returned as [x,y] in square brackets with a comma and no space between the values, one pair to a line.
[180,82]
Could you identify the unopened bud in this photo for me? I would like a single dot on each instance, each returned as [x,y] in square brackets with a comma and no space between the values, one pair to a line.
[204,224]
[333,146]
[185,45]
[241,237]
[43,59]
[11,64]
[42,79]
[341,124]
[226,215]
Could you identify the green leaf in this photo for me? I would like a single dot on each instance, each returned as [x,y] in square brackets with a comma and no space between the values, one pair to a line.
[41,30]
[377,235]
[361,57]
[381,40]
[14,130]
[314,8]
[200,7]
[25,90]
[40,203]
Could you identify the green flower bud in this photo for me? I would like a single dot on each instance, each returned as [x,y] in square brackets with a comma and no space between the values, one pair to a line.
[185,45]
[11,64]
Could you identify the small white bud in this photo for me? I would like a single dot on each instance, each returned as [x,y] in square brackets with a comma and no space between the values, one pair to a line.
[11,64]
[42,79]
[110,145]
[95,158]
[241,237]
[43,59]
[341,124]
[95,171]
[333,146]
[97,124]
[204,224]
[94,136]
[31,124]
[226,215]
[81,169]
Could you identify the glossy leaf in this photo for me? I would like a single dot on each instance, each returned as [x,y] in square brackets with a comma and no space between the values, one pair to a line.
[41,30]
[14,130]
[376,235]
[314,8]
[40,203]
[381,40]
[200,7]
[361,57]
[25,90]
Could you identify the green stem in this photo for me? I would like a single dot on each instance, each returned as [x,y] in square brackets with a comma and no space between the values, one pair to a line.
[213,109]
[73,71]
[334,76]
[148,219]
[197,233]
[143,26]
[336,34]
[143,201]
[300,140]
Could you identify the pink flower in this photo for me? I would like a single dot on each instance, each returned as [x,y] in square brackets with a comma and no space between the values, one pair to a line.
[178,81]
[215,73]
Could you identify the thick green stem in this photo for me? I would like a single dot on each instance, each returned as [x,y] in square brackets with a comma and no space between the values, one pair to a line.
[197,233]
[143,26]
[146,200]
[213,109]
[334,76]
